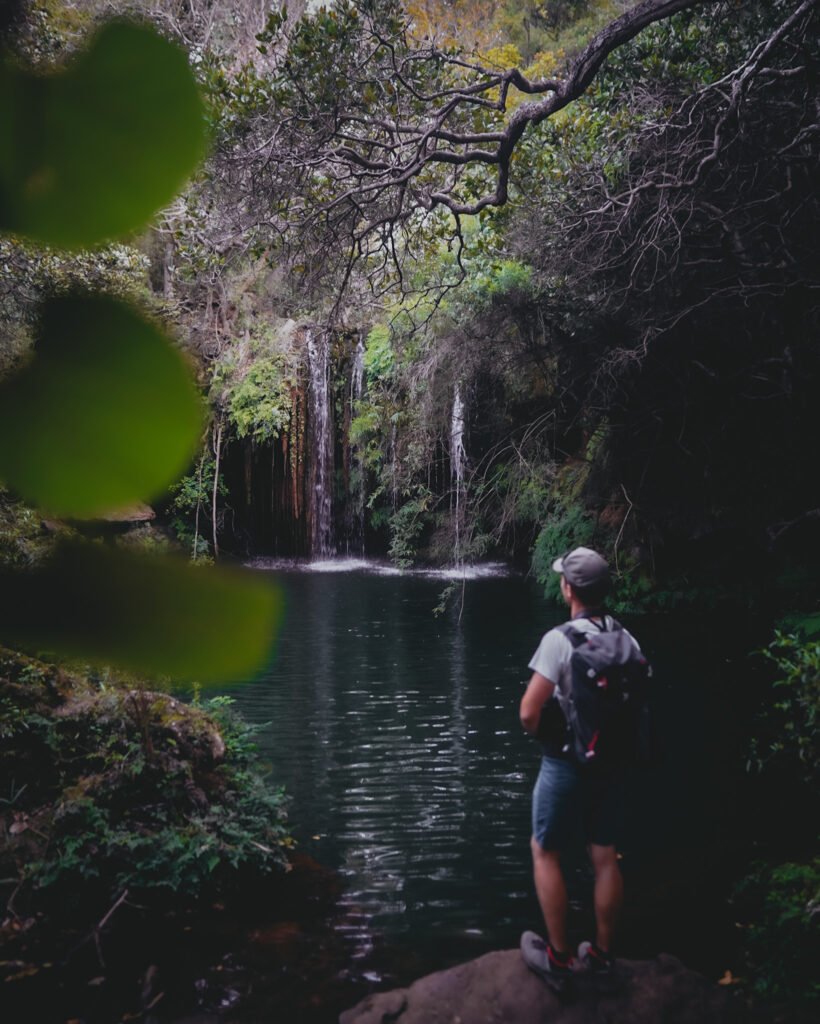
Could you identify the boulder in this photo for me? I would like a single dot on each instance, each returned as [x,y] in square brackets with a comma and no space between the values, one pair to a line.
[498,988]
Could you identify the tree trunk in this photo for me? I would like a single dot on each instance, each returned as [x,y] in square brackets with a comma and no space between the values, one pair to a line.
[217,449]
[198,504]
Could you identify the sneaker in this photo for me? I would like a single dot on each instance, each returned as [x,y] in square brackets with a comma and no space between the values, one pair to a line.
[539,958]
[598,965]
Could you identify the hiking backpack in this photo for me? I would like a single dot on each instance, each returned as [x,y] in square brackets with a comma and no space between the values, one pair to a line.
[607,710]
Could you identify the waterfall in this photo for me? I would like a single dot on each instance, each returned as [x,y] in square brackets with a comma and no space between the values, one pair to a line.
[458,464]
[321,443]
[357,498]
[357,374]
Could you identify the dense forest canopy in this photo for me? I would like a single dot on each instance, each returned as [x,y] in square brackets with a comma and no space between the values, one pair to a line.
[455,281]
[587,228]
[360,142]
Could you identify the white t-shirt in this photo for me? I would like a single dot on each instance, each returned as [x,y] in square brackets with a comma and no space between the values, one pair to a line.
[551,659]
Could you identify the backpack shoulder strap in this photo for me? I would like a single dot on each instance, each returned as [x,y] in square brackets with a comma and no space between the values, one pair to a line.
[575,636]
[607,623]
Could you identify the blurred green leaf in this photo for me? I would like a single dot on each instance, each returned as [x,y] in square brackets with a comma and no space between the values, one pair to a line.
[105,415]
[152,615]
[92,152]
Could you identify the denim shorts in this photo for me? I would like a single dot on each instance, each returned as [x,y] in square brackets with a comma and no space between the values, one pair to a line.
[568,803]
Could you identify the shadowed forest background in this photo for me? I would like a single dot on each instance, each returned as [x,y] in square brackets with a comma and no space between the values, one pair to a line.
[431,283]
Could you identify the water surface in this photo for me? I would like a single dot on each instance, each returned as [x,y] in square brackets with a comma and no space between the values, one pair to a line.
[396,734]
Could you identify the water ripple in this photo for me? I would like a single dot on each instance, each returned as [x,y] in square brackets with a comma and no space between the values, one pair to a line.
[396,735]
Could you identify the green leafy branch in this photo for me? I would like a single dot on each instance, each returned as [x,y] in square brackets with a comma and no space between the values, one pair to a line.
[107,414]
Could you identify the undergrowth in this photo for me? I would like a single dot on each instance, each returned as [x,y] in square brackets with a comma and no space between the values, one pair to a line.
[103,790]
[778,901]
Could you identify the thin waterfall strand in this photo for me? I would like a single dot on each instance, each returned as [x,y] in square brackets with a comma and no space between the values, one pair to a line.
[321,432]
[458,465]
[356,394]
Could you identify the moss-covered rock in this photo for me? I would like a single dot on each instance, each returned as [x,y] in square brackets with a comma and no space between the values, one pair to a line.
[108,787]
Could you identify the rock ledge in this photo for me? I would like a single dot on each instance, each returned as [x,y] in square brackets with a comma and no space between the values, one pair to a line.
[498,988]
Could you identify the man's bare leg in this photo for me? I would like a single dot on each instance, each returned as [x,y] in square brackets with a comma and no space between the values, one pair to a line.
[609,893]
[552,894]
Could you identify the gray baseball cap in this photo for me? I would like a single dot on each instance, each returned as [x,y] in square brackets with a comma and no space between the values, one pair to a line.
[583,567]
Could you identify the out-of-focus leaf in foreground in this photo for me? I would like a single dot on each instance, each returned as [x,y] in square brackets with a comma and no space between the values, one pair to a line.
[91,152]
[151,615]
[105,415]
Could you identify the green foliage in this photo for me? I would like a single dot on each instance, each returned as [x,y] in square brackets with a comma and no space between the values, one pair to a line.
[105,415]
[373,425]
[573,35]
[148,539]
[598,132]
[491,276]
[531,24]
[788,732]
[90,152]
[688,50]
[558,13]
[259,405]
[406,527]
[808,624]
[193,814]
[365,435]
[196,488]
[255,377]
[191,495]
[187,855]
[523,487]
[258,400]
[23,538]
[29,271]
[379,358]
[778,906]
[161,616]
[568,526]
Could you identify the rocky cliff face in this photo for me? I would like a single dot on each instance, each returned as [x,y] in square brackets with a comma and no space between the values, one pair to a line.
[499,989]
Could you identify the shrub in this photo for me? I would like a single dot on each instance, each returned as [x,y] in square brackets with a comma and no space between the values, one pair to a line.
[789,727]
[781,904]
[176,798]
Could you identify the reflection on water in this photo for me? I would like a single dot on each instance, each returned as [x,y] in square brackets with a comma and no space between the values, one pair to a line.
[396,735]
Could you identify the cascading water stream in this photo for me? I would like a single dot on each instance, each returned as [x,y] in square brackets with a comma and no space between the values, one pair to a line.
[356,393]
[321,447]
[357,373]
[458,465]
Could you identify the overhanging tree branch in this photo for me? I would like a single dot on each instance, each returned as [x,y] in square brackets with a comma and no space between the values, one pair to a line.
[563,92]
[357,140]
[356,128]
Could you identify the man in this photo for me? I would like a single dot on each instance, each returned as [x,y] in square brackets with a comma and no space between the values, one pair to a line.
[569,796]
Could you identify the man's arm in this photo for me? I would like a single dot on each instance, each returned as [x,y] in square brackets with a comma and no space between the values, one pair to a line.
[538,692]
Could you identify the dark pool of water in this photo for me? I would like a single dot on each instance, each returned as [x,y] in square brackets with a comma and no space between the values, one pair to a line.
[396,734]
